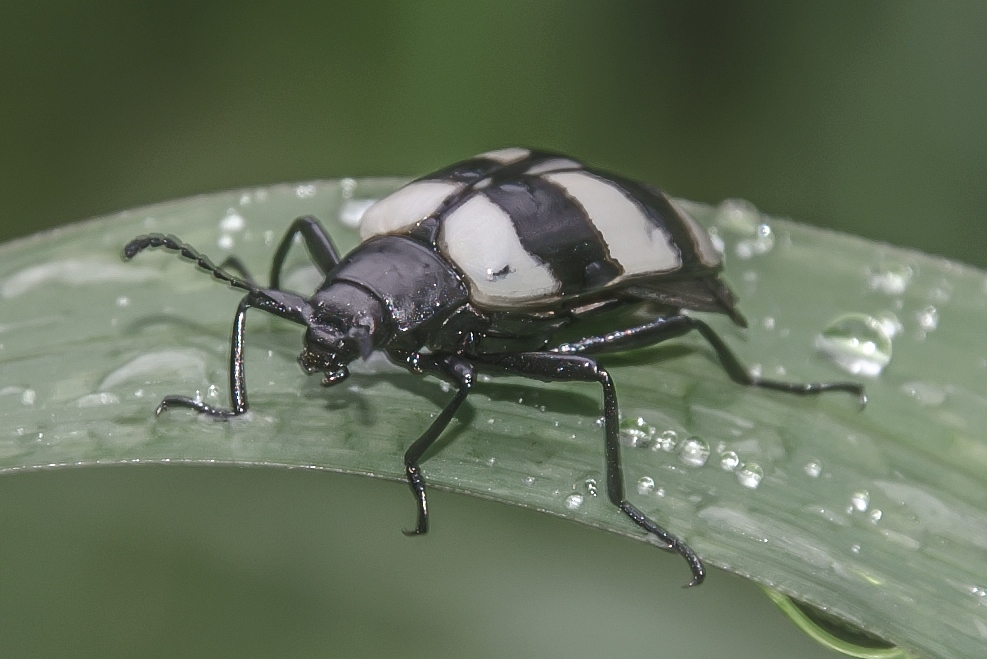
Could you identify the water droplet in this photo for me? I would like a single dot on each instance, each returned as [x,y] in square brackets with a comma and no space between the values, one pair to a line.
[123,301]
[212,391]
[225,241]
[856,343]
[813,468]
[28,396]
[645,485]
[305,191]
[528,480]
[233,221]
[750,475]
[928,318]
[855,549]
[926,393]
[860,500]
[574,501]
[737,216]
[636,433]
[352,211]
[889,323]
[761,242]
[891,279]
[590,485]
[600,422]
[729,460]
[694,452]
[94,400]
[768,322]
[875,516]
[667,441]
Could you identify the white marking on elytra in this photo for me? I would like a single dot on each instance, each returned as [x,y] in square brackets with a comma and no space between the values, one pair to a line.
[406,206]
[480,238]
[633,240]
[506,156]
[553,165]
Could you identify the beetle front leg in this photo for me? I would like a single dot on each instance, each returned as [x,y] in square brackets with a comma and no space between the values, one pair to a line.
[459,372]
[238,387]
[548,366]
[317,241]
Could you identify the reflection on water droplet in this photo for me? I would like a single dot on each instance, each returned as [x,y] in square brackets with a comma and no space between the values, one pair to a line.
[875,516]
[589,484]
[926,393]
[694,452]
[737,216]
[891,279]
[813,468]
[860,500]
[729,460]
[856,343]
[889,323]
[928,318]
[233,221]
[667,441]
[750,475]
[855,549]
[636,433]
[761,243]
[574,501]
[528,480]
[645,485]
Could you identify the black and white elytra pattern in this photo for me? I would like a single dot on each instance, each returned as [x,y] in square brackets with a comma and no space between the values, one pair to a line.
[528,228]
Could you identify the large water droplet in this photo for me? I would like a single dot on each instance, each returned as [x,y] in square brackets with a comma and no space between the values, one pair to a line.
[636,433]
[750,475]
[574,501]
[667,441]
[694,452]
[856,343]
[813,468]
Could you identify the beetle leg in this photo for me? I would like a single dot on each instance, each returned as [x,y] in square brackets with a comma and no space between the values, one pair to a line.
[284,305]
[670,327]
[317,241]
[459,372]
[550,366]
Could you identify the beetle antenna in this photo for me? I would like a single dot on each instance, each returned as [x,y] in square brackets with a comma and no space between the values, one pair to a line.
[153,240]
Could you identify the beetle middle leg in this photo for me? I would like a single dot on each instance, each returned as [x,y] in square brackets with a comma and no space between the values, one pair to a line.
[317,241]
[449,367]
[670,327]
[550,366]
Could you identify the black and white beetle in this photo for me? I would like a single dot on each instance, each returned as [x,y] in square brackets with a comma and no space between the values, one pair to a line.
[479,267]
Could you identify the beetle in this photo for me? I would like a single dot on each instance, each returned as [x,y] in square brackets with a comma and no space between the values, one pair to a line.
[486,265]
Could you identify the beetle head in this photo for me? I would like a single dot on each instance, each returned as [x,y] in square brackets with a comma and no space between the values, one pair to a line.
[345,324]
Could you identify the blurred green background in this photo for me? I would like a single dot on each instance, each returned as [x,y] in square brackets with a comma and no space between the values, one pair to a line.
[865,117]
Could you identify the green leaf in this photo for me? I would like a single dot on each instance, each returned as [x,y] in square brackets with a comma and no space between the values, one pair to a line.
[874,515]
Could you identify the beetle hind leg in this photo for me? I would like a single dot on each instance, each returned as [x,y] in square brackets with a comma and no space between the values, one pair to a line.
[550,366]
[670,327]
